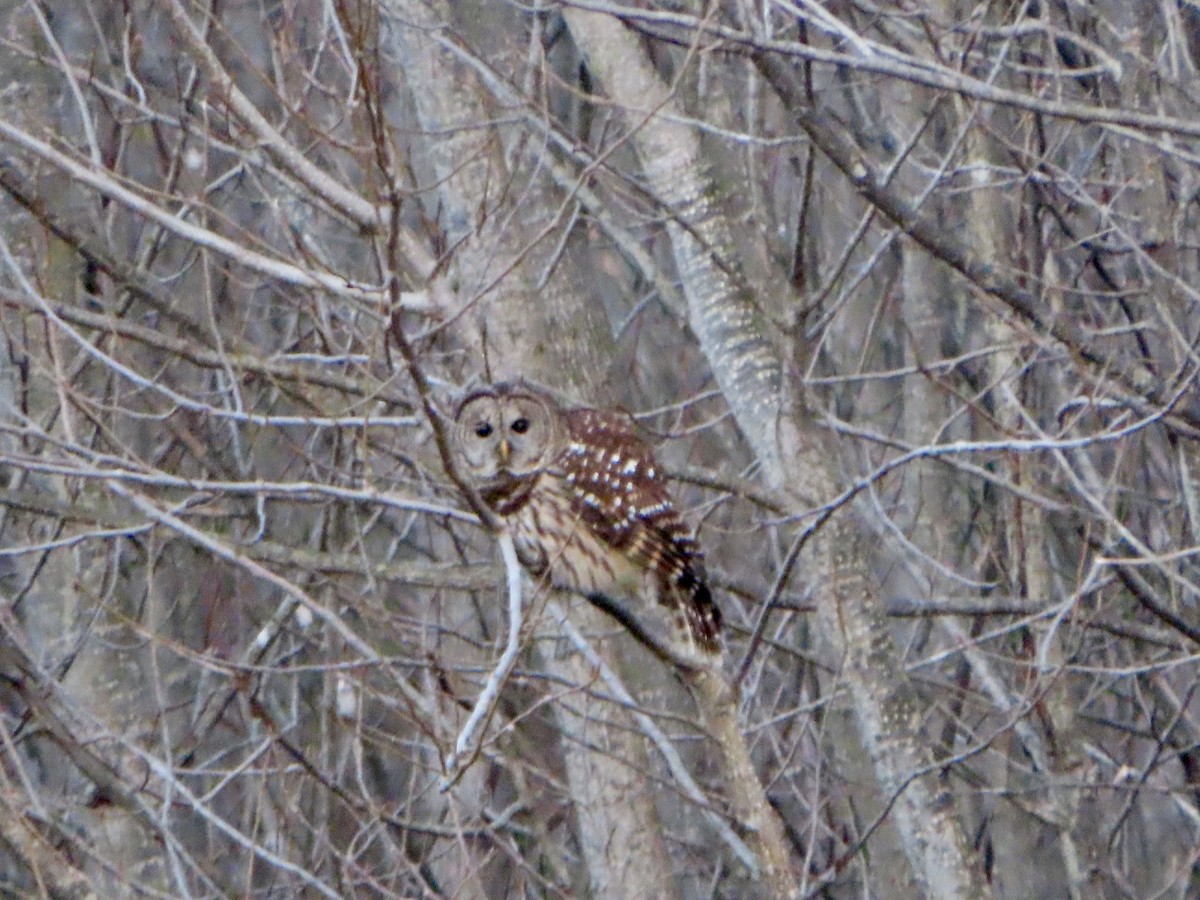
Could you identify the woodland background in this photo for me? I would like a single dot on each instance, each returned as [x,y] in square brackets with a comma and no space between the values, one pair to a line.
[904,294]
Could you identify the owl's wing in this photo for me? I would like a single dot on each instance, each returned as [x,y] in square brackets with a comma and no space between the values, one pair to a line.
[619,491]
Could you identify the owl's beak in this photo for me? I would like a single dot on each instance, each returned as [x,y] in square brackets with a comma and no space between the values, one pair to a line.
[505,449]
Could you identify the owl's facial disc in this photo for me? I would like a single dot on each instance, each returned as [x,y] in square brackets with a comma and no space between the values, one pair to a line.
[507,434]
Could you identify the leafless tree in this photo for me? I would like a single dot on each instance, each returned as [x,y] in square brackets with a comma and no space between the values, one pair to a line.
[903,294]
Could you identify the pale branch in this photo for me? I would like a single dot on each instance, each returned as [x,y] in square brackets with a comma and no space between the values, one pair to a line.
[366,215]
[107,470]
[220,550]
[665,747]
[106,184]
[960,462]
[717,700]
[274,420]
[1150,394]
[245,361]
[166,772]
[485,704]
[350,204]
[105,523]
[80,738]
[725,320]
[892,63]
[132,279]
[60,58]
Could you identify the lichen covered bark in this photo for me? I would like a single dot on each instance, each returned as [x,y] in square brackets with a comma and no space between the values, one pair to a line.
[792,453]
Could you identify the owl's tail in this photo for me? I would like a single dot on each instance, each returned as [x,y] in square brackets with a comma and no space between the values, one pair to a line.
[702,616]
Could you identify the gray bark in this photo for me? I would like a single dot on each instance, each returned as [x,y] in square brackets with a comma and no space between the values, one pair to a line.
[724,320]
[564,344]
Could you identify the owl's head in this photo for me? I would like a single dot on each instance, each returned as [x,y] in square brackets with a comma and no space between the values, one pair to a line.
[508,429]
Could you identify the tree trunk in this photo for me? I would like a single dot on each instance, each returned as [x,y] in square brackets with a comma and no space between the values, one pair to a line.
[850,611]
[606,758]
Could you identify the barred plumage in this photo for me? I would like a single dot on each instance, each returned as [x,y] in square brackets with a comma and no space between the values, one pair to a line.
[587,503]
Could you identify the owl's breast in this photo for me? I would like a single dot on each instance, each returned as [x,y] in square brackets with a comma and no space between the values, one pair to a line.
[550,529]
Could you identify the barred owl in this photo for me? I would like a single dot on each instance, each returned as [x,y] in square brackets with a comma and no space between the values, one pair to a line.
[587,505]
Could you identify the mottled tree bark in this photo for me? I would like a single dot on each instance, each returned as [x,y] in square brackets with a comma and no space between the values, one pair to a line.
[793,456]
[557,337]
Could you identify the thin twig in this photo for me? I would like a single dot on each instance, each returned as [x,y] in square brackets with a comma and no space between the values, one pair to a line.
[655,735]
[466,746]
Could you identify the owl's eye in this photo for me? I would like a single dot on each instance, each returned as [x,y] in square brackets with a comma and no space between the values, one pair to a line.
[521,425]
[483,429]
